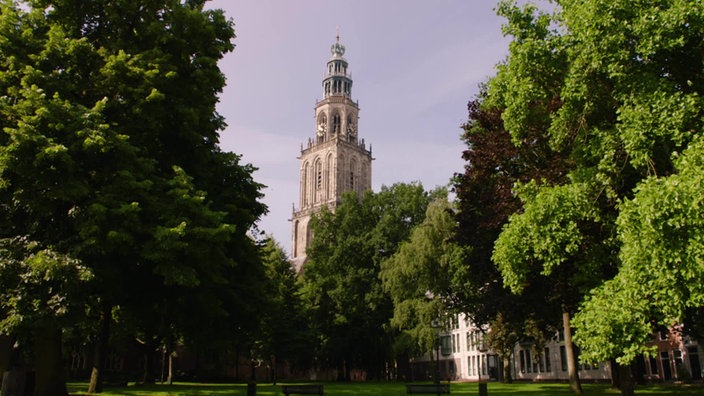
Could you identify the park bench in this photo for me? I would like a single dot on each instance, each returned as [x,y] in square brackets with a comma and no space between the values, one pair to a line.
[427,389]
[302,390]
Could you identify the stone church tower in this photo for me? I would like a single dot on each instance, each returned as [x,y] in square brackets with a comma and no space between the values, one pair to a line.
[334,160]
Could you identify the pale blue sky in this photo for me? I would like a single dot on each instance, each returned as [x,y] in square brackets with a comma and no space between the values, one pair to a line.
[414,63]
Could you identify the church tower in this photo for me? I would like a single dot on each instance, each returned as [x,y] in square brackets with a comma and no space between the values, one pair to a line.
[335,159]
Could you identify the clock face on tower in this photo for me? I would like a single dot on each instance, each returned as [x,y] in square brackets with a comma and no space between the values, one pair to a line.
[351,132]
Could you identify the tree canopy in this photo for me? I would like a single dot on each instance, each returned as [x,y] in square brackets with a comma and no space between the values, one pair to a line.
[417,276]
[341,279]
[109,154]
[661,231]
[615,87]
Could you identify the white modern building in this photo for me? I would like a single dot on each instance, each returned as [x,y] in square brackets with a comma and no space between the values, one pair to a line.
[464,356]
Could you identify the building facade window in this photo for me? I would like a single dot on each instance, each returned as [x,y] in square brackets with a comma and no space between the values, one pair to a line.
[522,361]
[666,369]
[653,365]
[548,366]
[694,363]
[677,357]
[563,357]
[445,345]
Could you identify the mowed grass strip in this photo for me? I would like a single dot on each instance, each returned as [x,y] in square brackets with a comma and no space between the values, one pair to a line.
[383,389]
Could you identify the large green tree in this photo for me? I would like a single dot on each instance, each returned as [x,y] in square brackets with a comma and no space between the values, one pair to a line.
[418,276]
[284,336]
[109,153]
[614,85]
[350,309]
[485,200]
[525,251]
[660,281]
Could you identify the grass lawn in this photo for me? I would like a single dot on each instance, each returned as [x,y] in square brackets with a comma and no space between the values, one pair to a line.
[383,389]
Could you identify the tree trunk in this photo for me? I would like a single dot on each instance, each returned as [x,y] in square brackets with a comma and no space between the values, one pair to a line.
[162,374]
[252,371]
[148,376]
[403,371]
[273,369]
[615,375]
[237,362]
[627,384]
[171,368]
[101,350]
[48,364]
[5,353]
[508,378]
[575,385]
[435,361]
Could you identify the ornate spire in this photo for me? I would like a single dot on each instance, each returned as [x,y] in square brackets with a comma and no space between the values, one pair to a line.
[337,49]
[337,81]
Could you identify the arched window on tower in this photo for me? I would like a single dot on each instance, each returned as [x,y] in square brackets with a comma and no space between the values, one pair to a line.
[295,238]
[340,176]
[309,236]
[353,174]
[351,128]
[336,123]
[318,179]
[328,179]
[304,184]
